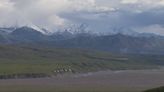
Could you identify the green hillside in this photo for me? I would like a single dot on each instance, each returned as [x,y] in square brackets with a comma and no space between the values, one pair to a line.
[48,61]
[160,89]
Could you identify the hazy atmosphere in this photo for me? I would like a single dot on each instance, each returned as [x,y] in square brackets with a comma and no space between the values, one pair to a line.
[81,45]
[99,15]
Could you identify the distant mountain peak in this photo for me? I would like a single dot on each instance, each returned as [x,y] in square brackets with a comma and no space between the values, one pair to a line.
[25,30]
[119,42]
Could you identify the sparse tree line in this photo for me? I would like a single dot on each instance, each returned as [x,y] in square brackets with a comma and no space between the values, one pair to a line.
[23,76]
[62,70]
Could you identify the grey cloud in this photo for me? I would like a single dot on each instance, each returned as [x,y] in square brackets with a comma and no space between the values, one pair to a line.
[100,15]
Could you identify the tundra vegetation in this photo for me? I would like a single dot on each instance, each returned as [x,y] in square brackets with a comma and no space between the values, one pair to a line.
[32,62]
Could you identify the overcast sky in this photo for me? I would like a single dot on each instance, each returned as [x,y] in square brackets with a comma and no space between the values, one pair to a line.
[99,15]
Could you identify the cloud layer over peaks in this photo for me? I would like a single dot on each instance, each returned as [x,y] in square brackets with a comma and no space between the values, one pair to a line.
[100,15]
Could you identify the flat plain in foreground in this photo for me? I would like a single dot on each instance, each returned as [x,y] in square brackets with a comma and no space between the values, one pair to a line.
[106,81]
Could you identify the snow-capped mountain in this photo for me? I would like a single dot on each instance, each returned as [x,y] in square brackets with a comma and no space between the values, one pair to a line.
[119,42]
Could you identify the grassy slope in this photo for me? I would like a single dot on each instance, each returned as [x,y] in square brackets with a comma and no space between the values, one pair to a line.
[14,59]
[160,89]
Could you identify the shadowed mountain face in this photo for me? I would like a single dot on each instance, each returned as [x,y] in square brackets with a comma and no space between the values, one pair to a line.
[26,31]
[118,43]
[26,34]
[3,39]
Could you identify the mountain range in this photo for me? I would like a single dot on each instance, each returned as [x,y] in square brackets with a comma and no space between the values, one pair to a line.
[140,43]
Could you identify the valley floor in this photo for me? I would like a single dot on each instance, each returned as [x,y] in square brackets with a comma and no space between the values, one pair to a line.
[105,81]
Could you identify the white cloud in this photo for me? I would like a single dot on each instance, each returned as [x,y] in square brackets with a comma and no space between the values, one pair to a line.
[44,13]
[49,13]
[129,1]
[156,29]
